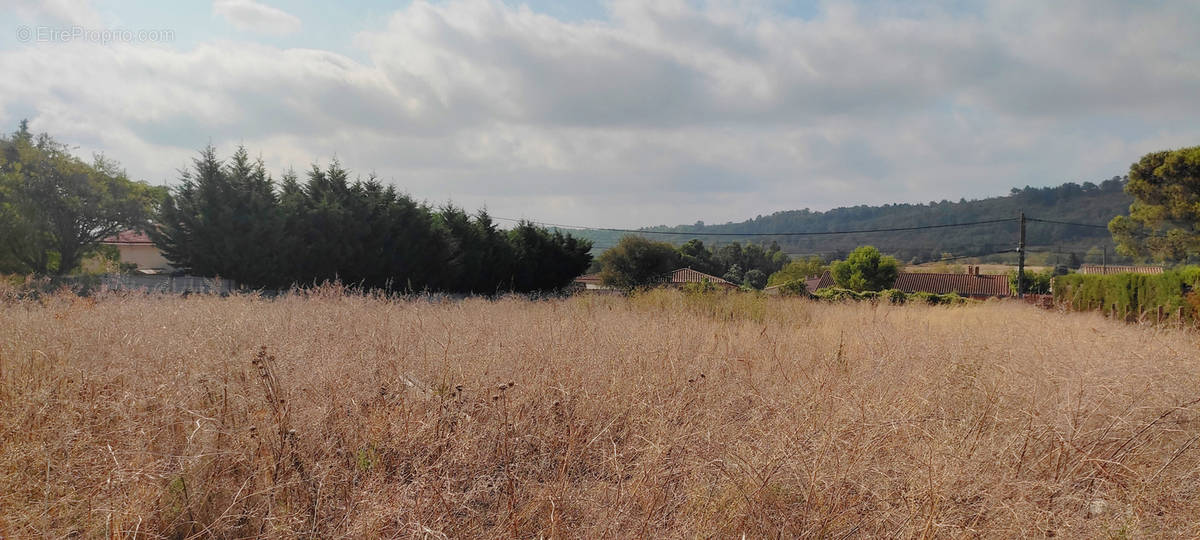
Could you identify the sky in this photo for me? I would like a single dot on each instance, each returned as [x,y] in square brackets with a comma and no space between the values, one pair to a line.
[619,113]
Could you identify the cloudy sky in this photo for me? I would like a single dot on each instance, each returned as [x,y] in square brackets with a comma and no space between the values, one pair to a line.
[620,113]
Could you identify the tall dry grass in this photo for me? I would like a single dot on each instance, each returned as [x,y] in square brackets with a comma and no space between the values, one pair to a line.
[328,415]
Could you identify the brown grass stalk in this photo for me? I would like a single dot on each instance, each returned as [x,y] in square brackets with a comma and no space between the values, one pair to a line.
[332,415]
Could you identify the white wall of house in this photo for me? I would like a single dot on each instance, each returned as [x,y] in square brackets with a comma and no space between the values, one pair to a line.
[143,255]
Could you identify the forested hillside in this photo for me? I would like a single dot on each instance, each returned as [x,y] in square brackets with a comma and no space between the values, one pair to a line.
[1089,203]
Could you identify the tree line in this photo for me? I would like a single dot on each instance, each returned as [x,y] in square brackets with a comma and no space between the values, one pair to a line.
[1086,202]
[639,262]
[230,219]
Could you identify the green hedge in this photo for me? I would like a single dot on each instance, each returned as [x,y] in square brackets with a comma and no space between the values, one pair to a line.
[1131,294]
[894,296]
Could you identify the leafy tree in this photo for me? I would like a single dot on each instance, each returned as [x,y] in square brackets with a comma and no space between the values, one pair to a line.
[1164,219]
[637,262]
[1035,282]
[755,278]
[55,208]
[693,254]
[798,271]
[768,260]
[728,256]
[749,257]
[735,274]
[866,269]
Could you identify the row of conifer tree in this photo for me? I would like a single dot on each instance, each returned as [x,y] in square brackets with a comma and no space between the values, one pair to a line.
[229,218]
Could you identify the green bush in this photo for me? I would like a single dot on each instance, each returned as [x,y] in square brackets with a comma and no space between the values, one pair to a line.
[1035,282]
[894,296]
[795,287]
[836,294]
[950,299]
[925,297]
[865,269]
[705,286]
[1130,294]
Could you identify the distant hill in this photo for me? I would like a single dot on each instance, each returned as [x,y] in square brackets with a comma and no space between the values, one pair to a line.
[1083,203]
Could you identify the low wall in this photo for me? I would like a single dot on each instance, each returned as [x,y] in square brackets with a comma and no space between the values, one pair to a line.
[167,283]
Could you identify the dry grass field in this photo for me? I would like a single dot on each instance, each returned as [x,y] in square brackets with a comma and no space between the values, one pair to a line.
[339,416]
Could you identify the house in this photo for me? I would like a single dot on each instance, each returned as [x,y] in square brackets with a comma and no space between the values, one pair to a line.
[822,281]
[684,276]
[135,247]
[1108,269]
[971,284]
[589,282]
[677,279]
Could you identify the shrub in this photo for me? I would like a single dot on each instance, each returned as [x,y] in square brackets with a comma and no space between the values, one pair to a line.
[866,269]
[895,296]
[706,286]
[1035,282]
[836,294]
[1130,294]
[794,288]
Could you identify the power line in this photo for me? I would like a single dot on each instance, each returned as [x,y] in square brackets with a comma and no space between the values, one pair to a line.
[1140,234]
[809,233]
[1105,227]
[1056,248]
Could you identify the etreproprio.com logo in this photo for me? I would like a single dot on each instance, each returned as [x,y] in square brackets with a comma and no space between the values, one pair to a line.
[76,33]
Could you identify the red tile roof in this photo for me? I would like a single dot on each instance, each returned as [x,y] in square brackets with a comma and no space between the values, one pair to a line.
[687,275]
[128,238]
[822,281]
[1119,269]
[589,278]
[811,283]
[964,284]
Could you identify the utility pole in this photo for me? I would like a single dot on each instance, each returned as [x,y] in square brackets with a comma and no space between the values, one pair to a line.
[1021,260]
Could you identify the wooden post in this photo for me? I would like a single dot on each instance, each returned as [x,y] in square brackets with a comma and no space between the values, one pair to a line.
[1021,260]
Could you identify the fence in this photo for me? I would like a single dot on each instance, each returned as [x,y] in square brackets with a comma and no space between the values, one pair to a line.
[167,283]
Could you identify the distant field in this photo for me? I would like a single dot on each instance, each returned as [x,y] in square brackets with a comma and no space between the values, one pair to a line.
[659,416]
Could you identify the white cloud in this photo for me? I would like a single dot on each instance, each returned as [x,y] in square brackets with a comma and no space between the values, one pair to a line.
[663,114]
[60,12]
[252,16]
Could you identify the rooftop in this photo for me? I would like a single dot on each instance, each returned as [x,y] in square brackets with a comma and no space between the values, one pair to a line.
[964,284]
[687,275]
[128,238]
[1119,269]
